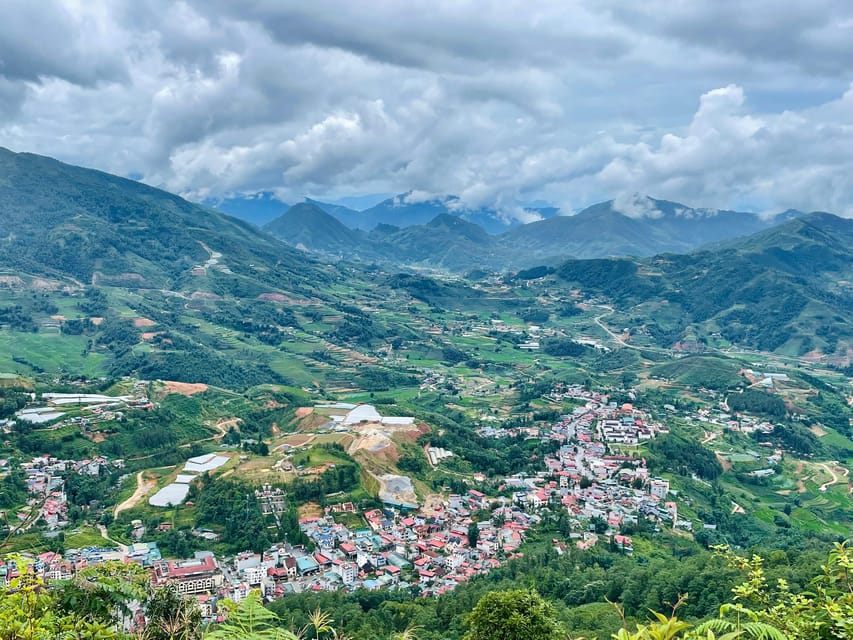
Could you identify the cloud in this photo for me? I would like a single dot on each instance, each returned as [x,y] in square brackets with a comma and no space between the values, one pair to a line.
[636,206]
[497,101]
[726,155]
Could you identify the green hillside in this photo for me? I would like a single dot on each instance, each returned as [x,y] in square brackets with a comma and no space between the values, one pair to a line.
[784,289]
[70,222]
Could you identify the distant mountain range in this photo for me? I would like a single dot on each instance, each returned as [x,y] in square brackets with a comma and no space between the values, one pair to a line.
[257,208]
[434,236]
[785,289]
[403,210]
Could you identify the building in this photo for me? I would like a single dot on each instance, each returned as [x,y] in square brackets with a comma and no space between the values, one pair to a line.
[198,575]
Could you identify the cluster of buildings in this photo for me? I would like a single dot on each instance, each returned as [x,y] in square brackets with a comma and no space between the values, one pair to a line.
[432,551]
[594,485]
[90,408]
[45,480]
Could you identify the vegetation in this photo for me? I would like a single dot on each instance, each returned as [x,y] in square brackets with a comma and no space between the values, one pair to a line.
[758,402]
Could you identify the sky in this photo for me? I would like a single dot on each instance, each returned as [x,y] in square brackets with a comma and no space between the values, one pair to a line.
[712,103]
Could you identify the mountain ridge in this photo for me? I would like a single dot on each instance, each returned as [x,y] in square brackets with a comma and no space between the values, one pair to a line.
[780,289]
[599,231]
[91,225]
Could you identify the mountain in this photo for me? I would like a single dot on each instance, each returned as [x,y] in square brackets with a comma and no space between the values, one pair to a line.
[258,208]
[407,210]
[640,227]
[447,240]
[401,211]
[444,242]
[783,289]
[307,226]
[345,215]
[69,222]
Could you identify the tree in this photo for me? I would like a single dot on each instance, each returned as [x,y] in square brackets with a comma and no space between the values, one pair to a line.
[102,593]
[512,615]
[171,616]
[29,611]
[473,535]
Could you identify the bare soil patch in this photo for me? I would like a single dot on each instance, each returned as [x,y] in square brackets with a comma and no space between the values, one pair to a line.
[298,440]
[273,297]
[309,510]
[817,430]
[139,323]
[723,462]
[45,285]
[143,487]
[13,282]
[301,412]
[185,388]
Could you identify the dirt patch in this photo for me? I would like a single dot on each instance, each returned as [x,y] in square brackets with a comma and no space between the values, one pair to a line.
[149,335]
[411,436]
[13,282]
[185,388]
[723,462]
[139,323]
[143,487]
[378,451]
[58,318]
[45,285]
[298,440]
[96,321]
[817,430]
[311,422]
[273,297]
[433,505]
[301,412]
[309,510]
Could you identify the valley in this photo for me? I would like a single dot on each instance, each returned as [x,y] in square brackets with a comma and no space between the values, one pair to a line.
[355,428]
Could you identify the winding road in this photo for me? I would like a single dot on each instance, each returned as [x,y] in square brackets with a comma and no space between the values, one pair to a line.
[835,479]
[142,488]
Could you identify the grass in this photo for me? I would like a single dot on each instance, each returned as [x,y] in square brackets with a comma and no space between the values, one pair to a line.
[50,352]
[86,537]
[317,457]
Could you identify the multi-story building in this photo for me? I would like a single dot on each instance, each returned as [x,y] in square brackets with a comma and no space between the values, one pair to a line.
[198,575]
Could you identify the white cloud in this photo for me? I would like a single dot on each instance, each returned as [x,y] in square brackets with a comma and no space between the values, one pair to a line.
[710,102]
[636,206]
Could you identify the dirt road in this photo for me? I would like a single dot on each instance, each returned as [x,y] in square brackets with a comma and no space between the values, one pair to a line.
[143,487]
[831,472]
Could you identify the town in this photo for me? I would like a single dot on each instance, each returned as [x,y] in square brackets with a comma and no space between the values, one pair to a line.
[595,481]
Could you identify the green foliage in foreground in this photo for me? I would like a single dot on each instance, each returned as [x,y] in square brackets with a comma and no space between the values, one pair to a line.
[512,615]
[95,604]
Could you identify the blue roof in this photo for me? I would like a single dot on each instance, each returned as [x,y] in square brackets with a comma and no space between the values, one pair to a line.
[306,563]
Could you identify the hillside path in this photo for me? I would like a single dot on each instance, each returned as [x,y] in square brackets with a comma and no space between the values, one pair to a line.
[142,488]
[105,534]
[835,479]
[609,311]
